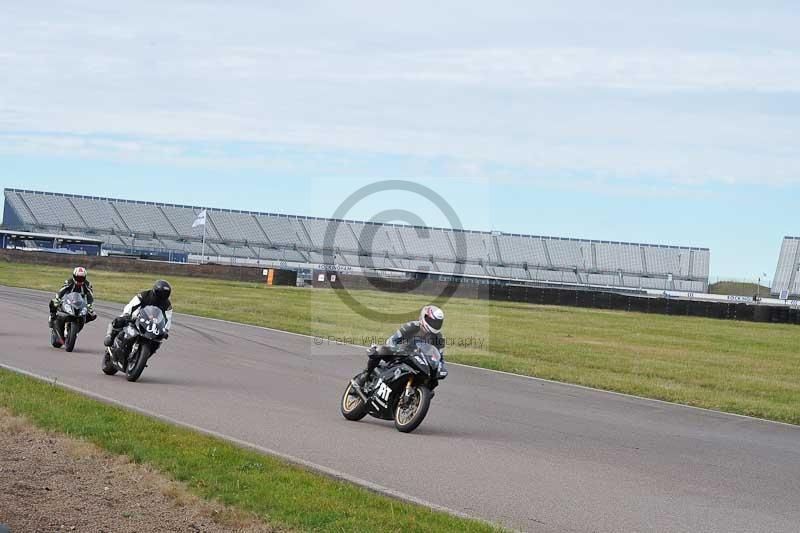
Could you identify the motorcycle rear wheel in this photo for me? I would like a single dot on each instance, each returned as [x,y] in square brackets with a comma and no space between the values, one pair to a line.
[135,368]
[352,406]
[407,418]
[72,336]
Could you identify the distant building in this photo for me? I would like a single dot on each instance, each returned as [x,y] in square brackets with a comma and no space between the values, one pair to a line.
[288,241]
[787,274]
[51,242]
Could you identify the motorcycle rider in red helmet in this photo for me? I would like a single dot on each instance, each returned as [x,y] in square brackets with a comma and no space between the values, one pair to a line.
[80,284]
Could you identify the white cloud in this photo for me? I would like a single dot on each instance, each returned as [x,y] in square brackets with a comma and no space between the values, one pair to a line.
[620,92]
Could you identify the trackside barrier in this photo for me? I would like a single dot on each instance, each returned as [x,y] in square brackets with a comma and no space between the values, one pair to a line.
[139,266]
[276,276]
[596,299]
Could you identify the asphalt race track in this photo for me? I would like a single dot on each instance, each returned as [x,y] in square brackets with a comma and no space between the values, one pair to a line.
[525,453]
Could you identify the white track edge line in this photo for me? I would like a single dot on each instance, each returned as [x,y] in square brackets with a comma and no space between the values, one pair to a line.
[308,465]
[534,378]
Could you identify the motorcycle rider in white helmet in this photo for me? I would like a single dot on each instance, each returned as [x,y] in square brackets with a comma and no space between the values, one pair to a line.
[427,329]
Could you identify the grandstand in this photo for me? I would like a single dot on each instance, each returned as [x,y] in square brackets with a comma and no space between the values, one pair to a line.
[787,274]
[310,242]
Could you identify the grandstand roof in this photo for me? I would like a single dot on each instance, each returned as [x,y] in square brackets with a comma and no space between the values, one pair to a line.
[388,224]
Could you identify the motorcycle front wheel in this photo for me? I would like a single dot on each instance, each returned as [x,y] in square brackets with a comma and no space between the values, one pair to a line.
[72,336]
[353,407]
[411,411]
[137,362]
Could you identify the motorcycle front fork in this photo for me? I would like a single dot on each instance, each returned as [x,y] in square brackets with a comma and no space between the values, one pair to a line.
[409,388]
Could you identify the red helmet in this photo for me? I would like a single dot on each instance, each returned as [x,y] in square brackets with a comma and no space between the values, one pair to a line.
[79,276]
[431,318]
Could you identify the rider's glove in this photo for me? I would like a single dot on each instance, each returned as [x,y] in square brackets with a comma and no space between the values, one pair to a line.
[91,308]
[122,321]
[56,301]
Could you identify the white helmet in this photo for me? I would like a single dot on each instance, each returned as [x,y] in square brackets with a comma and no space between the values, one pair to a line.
[431,318]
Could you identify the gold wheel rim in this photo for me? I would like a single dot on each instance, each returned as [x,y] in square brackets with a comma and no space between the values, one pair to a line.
[351,400]
[403,416]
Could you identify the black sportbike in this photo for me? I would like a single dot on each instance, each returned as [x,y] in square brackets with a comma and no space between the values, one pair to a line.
[136,343]
[71,316]
[400,389]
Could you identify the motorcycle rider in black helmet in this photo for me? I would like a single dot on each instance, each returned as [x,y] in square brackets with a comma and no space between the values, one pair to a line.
[157,296]
[427,329]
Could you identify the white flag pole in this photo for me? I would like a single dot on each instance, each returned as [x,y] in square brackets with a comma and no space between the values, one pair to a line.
[205,219]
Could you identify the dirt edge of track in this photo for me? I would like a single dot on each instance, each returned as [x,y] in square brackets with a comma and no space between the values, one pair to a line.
[51,482]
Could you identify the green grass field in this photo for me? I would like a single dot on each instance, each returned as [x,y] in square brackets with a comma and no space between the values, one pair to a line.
[284,496]
[739,367]
[739,288]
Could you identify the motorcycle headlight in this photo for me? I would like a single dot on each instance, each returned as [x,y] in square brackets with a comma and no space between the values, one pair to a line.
[130,331]
[67,308]
[83,311]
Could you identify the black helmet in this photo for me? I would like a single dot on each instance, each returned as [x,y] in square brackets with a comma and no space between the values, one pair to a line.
[162,290]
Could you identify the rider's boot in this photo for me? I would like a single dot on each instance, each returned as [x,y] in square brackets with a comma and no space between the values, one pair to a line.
[111,334]
[366,375]
[115,350]
[53,309]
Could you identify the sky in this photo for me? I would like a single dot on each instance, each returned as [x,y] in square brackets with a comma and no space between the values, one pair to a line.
[626,121]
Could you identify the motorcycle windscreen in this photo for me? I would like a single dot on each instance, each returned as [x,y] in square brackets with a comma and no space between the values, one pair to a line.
[431,354]
[73,303]
[430,351]
[151,322]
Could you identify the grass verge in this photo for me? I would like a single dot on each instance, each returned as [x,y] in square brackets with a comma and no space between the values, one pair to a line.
[739,288]
[740,367]
[282,495]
